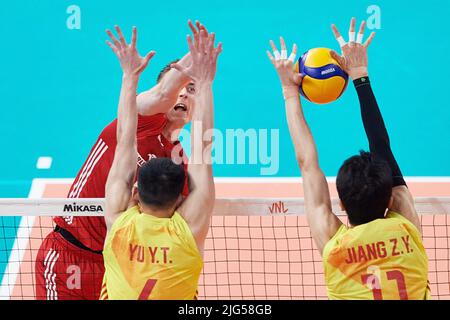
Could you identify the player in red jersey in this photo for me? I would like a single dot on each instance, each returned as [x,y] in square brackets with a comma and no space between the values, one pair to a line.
[69,264]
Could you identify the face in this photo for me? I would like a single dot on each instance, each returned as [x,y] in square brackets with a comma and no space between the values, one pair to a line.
[181,113]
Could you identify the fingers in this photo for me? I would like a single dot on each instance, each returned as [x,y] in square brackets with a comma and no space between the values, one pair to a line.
[192,27]
[211,39]
[202,41]
[351,31]
[195,32]
[293,55]
[369,40]
[114,39]
[338,36]
[275,50]
[361,32]
[190,44]
[122,39]
[113,47]
[200,26]
[283,49]
[272,59]
[217,51]
[134,38]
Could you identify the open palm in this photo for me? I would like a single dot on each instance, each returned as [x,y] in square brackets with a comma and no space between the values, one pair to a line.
[130,60]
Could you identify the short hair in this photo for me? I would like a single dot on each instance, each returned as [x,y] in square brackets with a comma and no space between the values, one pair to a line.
[164,70]
[160,183]
[364,185]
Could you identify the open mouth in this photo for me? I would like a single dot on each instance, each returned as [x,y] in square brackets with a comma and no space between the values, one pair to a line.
[180,106]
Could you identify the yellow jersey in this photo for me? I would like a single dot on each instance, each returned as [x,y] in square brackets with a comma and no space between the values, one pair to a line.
[150,258]
[382,260]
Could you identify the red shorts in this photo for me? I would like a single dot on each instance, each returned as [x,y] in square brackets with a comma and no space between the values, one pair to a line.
[65,272]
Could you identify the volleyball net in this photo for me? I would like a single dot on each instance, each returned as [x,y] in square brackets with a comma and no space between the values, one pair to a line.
[256,248]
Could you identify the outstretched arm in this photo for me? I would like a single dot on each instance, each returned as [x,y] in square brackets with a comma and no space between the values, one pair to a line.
[322,221]
[198,206]
[163,96]
[121,176]
[355,62]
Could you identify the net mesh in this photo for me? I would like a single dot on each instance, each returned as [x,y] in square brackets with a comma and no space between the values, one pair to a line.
[256,249]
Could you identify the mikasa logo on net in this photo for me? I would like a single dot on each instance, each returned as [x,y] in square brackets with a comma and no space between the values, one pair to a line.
[327,71]
[74,207]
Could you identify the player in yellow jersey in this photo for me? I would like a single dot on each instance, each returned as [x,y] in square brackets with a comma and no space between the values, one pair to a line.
[154,243]
[380,255]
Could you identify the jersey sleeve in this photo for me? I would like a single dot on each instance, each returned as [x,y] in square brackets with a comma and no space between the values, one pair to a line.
[333,241]
[395,215]
[91,179]
[185,233]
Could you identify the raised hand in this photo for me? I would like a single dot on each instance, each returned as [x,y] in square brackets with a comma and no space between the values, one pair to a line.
[130,60]
[203,55]
[354,54]
[290,80]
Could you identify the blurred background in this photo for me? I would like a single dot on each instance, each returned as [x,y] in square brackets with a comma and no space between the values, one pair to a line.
[60,82]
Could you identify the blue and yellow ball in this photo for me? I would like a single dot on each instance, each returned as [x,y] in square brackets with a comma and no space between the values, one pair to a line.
[324,79]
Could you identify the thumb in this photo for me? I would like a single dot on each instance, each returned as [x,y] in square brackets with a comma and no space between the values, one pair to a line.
[178,67]
[337,57]
[149,56]
[298,78]
[145,62]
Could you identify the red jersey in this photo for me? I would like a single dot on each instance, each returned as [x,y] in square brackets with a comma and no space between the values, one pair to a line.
[91,179]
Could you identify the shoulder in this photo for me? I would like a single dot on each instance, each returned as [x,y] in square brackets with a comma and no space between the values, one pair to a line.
[109,132]
[334,241]
[184,231]
[153,123]
[401,219]
[125,217]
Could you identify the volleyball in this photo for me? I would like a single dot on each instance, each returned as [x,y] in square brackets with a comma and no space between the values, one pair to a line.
[324,79]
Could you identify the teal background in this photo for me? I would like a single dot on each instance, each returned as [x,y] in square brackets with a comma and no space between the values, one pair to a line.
[60,87]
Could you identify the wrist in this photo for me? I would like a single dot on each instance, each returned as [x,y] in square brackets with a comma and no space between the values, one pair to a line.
[359,72]
[203,84]
[359,82]
[130,77]
[290,91]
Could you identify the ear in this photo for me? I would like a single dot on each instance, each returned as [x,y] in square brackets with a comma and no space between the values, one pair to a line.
[134,192]
[179,201]
[391,202]
[341,205]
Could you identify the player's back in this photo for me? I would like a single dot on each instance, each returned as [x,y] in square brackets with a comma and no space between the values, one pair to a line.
[150,258]
[382,259]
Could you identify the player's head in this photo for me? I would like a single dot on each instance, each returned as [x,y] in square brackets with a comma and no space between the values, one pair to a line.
[181,113]
[160,183]
[364,185]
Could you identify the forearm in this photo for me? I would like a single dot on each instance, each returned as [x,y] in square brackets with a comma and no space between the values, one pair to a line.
[127,111]
[304,145]
[202,123]
[200,162]
[124,164]
[375,128]
[164,95]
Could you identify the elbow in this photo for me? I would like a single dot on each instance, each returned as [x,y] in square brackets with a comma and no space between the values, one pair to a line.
[307,163]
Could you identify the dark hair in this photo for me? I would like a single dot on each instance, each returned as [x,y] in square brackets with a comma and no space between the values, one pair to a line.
[160,182]
[364,185]
[165,70]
